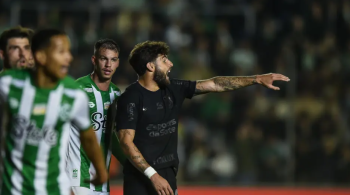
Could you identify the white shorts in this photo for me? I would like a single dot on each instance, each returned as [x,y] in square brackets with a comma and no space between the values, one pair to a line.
[86,191]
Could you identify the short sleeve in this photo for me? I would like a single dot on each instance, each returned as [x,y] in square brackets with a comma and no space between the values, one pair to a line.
[186,88]
[5,82]
[80,111]
[127,111]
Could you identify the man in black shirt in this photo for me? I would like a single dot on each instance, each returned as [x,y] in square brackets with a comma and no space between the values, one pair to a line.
[147,117]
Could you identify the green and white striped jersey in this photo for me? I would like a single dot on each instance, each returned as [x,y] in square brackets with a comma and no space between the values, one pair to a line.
[37,134]
[79,167]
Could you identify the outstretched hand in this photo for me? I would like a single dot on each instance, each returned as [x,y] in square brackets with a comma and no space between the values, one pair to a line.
[268,79]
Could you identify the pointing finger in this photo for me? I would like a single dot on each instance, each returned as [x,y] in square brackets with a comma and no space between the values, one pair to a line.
[281,78]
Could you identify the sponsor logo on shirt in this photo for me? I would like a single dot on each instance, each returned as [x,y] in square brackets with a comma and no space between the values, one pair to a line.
[75,174]
[158,130]
[91,104]
[89,90]
[106,105]
[164,159]
[98,121]
[130,110]
[33,135]
[39,109]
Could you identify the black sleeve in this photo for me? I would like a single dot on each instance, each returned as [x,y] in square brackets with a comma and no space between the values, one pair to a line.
[186,88]
[127,111]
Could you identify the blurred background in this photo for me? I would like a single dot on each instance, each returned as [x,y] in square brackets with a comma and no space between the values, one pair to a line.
[253,136]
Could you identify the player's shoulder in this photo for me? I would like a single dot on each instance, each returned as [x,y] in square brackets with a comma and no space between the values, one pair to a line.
[116,89]
[69,83]
[73,89]
[85,80]
[16,73]
[132,91]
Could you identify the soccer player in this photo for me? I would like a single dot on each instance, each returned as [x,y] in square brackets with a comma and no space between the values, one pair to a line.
[148,112]
[41,105]
[15,48]
[101,92]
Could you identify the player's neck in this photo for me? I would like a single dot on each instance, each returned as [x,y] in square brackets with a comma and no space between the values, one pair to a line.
[103,85]
[148,83]
[43,80]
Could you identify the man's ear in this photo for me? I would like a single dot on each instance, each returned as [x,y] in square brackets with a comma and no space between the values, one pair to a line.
[2,54]
[40,56]
[151,67]
[93,58]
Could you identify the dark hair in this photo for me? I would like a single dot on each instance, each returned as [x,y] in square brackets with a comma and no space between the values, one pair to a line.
[42,38]
[146,52]
[15,32]
[106,44]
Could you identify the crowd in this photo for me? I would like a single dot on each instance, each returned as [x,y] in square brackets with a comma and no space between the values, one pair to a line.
[252,135]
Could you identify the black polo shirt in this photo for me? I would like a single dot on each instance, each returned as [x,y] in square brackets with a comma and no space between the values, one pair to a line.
[154,117]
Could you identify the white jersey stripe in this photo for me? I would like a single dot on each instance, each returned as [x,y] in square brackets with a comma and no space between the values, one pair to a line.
[44,148]
[99,108]
[73,154]
[111,96]
[63,179]
[25,109]
[5,83]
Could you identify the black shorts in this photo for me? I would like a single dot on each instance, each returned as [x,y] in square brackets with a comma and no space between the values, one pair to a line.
[139,184]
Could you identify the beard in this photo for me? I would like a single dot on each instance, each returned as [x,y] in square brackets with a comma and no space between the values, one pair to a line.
[160,78]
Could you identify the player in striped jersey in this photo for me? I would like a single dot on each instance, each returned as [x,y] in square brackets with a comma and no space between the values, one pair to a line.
[41,105]
[101,92]
[15,48]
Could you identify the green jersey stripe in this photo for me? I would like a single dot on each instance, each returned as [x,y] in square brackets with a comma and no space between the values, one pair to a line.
[50,140]
[25,109]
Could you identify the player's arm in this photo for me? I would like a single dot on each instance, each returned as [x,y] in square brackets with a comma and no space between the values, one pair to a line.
[111,130]
[94,153]
[88,138]
[126,137]
[117,151]
[229,83]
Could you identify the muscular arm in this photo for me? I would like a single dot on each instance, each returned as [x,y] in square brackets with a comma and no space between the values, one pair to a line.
[126,137]
[228,83]
[224,83]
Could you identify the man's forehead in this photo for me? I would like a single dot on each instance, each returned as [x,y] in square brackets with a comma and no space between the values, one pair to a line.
[18,41]
[106,51]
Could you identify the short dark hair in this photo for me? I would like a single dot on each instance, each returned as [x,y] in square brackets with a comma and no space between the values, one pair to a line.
[42,38]
[106,44]
[145,52]
[15,32]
